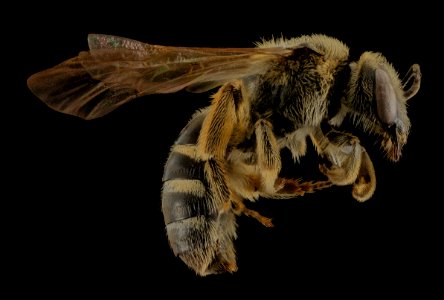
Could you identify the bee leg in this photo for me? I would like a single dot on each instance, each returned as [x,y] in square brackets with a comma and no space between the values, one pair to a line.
[240,208]
[268,156]
[218,125]
[269,162]
[220,226]
[288,188]
[350,162]
[212,143]
[365,183]
[254,177]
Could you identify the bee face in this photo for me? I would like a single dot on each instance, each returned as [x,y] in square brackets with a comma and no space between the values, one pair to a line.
[376,101]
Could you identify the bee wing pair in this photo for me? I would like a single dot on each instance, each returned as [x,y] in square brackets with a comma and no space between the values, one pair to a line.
[116,70]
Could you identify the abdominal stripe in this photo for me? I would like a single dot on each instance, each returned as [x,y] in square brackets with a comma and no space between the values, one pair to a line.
[184,192]
[181,166]
[178,206]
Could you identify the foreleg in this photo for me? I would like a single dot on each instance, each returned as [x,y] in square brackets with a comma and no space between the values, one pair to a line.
[350,162]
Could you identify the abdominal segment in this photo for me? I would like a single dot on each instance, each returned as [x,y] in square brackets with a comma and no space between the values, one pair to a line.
[200,230]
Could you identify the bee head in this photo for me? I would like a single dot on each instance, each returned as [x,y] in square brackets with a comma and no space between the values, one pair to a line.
[376,101]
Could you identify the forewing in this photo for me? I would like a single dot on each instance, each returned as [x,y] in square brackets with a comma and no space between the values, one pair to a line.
[117,70]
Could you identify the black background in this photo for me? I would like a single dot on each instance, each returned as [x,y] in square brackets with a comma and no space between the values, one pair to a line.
[85,216]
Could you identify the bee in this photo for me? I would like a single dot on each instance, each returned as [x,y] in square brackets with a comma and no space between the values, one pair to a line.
[283,93]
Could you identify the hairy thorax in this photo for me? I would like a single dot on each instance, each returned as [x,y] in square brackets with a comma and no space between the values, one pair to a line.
[292,94]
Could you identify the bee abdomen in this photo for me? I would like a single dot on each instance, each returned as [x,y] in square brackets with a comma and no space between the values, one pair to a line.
[198,231]
[184,192]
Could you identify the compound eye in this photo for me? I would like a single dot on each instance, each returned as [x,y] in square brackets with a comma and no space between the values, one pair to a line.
[386,103]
